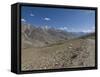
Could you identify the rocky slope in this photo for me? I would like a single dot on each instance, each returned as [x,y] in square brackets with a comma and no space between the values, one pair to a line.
[41,36]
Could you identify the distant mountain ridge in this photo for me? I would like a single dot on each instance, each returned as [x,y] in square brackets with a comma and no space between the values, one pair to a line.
[42,36]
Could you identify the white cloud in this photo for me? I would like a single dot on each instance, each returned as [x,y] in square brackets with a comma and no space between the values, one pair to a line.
[47,19]
[23,20]
[32,14]
[63,28]
[88,31]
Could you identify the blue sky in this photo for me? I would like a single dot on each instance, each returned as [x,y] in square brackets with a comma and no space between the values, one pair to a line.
[72,20]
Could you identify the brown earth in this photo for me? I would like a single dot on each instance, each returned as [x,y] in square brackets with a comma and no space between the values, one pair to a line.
[68,54]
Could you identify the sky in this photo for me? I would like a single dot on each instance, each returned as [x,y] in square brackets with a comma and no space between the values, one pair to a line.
[71,20]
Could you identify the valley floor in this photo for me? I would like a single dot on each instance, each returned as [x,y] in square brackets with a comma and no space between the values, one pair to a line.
[71,53]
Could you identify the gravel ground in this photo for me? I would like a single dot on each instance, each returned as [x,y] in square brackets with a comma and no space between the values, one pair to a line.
[73,53]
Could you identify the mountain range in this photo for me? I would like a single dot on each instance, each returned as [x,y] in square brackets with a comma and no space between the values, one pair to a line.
[33,36]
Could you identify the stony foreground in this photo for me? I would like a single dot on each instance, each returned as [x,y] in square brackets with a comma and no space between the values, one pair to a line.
[69,54]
